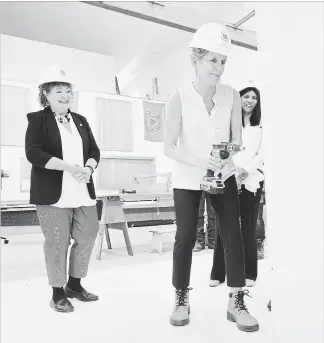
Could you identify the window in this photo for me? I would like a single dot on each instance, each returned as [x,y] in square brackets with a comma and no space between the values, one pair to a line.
[15,104]
[115,124]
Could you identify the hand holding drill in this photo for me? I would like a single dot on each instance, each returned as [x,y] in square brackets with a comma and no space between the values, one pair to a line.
[241,175]
[215,163]
[219,155]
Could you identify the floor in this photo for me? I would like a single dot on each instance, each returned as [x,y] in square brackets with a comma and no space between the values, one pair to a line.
[136,297]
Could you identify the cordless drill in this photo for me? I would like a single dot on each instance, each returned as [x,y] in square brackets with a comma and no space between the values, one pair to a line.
[211,183]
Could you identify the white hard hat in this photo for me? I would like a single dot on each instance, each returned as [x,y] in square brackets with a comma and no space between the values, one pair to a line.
[55,74]
[213,37]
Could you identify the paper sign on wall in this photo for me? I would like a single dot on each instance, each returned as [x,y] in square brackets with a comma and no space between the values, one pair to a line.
[154,114]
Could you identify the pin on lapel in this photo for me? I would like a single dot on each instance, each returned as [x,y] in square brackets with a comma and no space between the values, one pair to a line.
[80,124]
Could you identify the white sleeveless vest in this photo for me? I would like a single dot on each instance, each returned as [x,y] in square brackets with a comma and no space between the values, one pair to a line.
[199,131]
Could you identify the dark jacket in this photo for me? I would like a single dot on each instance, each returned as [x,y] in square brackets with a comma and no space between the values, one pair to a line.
[42,142]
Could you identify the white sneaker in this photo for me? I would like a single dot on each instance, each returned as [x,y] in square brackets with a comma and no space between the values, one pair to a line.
[249,283]
[213,283]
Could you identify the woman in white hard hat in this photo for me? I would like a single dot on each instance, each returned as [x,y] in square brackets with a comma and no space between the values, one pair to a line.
[200,114]
[63,152]
[250,178]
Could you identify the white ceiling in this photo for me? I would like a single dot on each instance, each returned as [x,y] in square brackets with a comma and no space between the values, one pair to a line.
[224,11]
[81,26]
[134,43]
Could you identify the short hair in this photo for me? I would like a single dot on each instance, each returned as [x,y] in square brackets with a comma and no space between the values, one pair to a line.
[256,113]
[48,86]
[198,53]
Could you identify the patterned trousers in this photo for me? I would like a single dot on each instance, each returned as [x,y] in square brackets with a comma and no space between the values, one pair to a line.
[59,225]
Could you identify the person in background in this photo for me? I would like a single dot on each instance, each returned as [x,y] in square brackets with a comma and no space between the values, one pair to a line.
[260,230]
[250,179]
[212,220]
[63,152]
[202,113]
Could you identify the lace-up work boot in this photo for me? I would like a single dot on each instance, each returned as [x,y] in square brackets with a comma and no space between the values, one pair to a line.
[180,314]
[238,313]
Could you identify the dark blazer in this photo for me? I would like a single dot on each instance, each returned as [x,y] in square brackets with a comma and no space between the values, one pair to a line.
[42,142]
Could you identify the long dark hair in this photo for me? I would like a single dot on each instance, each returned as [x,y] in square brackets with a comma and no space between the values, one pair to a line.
[256,114]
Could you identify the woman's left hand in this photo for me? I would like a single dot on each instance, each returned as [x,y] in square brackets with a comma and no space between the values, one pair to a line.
[242,174]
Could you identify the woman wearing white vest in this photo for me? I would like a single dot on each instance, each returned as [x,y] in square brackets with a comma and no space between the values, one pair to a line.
[200,114]
[63,152]
[250,178]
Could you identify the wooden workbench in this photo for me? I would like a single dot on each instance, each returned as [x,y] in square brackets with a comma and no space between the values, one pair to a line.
[111,206]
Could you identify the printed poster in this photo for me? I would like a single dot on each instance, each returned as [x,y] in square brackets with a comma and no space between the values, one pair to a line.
[154,114]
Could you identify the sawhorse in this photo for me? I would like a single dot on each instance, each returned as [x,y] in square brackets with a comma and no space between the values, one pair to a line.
[112,217]
[157,239]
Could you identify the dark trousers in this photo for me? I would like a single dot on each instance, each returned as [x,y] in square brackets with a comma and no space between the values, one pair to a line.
[211,220]
[249,206]
[260,230]
[226,206]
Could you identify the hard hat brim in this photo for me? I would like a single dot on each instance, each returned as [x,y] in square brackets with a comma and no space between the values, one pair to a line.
[56,81]
[222,49]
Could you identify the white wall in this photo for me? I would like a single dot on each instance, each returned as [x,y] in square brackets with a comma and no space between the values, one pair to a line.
[22,64]
[25,60]
[290,67]
[240,69]
[145,148]
[140,146]
[94,76]
[176,69]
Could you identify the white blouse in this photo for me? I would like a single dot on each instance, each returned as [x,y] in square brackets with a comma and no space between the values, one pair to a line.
[251,158]
[199,131]
[74,194]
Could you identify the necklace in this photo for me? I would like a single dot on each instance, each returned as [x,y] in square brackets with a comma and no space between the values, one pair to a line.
[62,118]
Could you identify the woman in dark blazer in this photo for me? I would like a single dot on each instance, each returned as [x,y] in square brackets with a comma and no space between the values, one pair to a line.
[63,152]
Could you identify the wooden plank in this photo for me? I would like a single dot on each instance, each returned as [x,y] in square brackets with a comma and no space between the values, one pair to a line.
[118,172]
[161,232]
[114,211]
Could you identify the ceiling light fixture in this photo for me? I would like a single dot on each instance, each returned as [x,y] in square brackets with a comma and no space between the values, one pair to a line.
[158,3]
[242,21]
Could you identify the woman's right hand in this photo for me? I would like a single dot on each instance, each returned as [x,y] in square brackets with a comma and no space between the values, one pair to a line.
[78,173]
[214,163]
[73,169]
